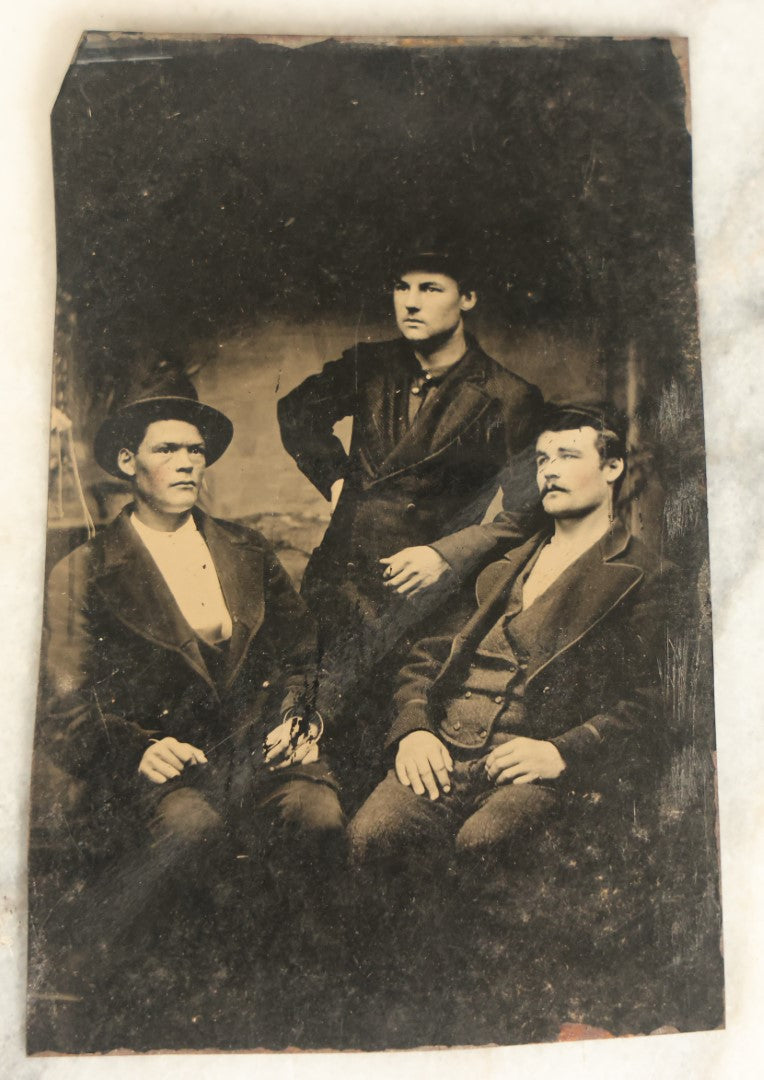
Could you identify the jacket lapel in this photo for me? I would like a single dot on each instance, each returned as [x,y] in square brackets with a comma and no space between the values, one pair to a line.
[137,594]
[445,415]
[574,604]
[492,589]
[581,597]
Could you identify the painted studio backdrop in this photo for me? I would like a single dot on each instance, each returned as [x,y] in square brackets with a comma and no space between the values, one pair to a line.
[227,208]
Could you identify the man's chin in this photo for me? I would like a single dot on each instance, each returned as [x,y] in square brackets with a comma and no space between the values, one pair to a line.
[415,333]
[180,502]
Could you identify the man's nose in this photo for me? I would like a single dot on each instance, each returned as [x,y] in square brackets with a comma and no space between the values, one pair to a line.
[185,462]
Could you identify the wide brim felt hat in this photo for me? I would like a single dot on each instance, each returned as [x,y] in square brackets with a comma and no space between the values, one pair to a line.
[214,426]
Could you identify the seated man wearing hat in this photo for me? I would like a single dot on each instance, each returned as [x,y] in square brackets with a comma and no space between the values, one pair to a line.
[180,687]
[436,424]
[546,688]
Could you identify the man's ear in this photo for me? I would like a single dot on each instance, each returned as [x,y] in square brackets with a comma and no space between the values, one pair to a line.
[468,300]
[126,461]
[613,467]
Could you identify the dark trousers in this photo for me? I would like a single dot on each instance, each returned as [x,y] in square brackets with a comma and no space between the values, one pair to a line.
[197,840]
[421,869]
[475,817]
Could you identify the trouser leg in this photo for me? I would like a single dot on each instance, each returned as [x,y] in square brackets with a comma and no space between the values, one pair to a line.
[401,847]
[295,835]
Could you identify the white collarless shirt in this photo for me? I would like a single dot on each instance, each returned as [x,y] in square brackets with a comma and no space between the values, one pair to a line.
[184,561]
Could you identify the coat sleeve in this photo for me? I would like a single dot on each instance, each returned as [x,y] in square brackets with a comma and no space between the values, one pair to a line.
[416,708]
[471,548]
[307,416]
[629,733]
[82,732]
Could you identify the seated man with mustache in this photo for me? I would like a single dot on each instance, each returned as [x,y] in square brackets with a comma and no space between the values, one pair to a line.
[550,686]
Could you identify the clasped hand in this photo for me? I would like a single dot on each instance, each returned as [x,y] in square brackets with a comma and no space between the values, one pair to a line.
[283,749]
[520,760]
[412,570]
[167,758]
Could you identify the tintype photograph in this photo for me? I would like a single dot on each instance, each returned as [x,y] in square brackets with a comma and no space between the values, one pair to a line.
[376,702]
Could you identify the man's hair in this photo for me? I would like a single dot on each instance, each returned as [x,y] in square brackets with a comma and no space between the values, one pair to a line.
[134,428]
[609,423]
[453,265]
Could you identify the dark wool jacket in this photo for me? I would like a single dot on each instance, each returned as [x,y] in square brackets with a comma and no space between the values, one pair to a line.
[589,673]
[424,484]
[122,665]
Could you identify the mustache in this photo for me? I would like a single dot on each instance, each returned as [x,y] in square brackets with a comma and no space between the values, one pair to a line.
[551,487]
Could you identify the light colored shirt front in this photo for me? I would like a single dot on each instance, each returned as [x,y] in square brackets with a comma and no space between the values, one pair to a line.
[184,561]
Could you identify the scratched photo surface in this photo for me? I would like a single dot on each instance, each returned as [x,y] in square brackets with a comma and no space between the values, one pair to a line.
[375,705]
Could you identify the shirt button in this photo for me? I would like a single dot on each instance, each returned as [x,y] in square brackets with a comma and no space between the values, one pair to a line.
[415,391]
[511,666]
[498,699]
[482,733]
[472,664]
[351,566]
[457,725]
[410,508]
[266,683]
[428,376]
[468,693]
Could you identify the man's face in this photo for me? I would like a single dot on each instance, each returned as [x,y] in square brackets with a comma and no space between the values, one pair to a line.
[571,475]
[429,305]
[168,467]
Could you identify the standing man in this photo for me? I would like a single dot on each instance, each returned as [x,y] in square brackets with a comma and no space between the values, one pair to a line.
[436,422]
[180,680]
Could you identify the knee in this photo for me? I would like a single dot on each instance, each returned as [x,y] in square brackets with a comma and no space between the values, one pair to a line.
[374,836]
[477,838]
[312,812]
[510,822]
[186,819]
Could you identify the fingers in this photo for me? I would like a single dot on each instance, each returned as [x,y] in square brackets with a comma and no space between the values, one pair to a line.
[416,780]
[409,586]
[163,752]
[165,770]
[448,761]
[180,753]
[152,775]
[422,775]
[500,762]
[277,750]
[512,775]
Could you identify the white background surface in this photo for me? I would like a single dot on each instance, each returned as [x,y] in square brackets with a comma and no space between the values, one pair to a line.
[727,75]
